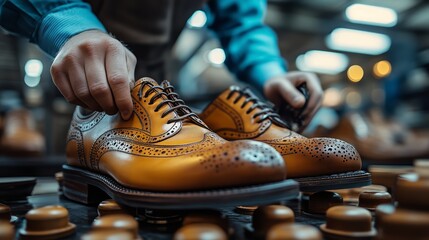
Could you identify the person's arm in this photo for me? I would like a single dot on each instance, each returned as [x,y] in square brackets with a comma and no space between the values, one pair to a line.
[253,55]
[91,68]
[48,23]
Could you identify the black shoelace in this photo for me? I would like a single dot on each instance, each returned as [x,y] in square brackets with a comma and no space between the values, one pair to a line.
[177,105]
[266,109]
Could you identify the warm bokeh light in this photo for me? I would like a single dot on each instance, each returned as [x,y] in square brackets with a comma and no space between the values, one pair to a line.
[382,69]
[353,99]
[355,73]
[332,97]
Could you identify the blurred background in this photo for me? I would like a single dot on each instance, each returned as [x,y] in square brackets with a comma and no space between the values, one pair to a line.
[372,58]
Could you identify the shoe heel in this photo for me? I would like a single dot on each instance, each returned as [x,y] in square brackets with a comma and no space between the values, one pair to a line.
[82,192]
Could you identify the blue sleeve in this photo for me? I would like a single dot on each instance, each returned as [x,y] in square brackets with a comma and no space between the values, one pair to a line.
[251,47]
[48,23]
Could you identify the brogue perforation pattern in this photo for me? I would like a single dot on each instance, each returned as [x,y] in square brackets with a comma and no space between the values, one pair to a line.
[143,116]
[320,148]
[122,143]
[233,156]
[87,124]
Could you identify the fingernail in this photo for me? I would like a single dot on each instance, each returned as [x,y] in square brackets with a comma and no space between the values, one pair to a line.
[126,115]
[298,99]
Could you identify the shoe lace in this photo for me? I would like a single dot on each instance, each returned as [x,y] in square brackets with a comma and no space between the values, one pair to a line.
[265,109]
[176,104]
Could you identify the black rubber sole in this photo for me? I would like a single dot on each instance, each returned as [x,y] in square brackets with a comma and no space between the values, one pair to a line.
[91,188]
[334,181]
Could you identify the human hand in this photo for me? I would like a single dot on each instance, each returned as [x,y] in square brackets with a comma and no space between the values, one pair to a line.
[95,71]
[282,90]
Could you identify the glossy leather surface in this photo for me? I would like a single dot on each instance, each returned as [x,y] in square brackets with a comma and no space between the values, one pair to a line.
[294,231]
[379,141]
[162,148]
[238,114]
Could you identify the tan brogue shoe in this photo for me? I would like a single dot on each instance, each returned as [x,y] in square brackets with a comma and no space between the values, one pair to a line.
[20,136]
[239,114]
[164,156]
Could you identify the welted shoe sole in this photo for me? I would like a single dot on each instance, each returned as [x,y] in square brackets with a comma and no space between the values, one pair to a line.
[334,181]
[91,188]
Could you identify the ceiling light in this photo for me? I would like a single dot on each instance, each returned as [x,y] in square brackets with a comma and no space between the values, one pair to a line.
[216,56]
[198,19]
[350,40]
[33,68]
[371,15]
[322,62]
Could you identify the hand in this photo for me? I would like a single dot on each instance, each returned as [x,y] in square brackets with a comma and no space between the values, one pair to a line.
[282,90]
[95,71]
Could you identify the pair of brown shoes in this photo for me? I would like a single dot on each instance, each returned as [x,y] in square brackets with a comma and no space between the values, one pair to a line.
[18,134]
[166,156]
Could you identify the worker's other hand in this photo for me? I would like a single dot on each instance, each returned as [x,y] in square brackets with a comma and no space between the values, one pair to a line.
[95,71]
[283,90]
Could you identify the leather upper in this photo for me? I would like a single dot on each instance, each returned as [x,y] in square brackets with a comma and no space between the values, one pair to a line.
[20,136]
[162,148]
[239,114]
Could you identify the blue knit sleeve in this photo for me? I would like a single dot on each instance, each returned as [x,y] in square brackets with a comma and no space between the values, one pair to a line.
[251,47]
[48,23]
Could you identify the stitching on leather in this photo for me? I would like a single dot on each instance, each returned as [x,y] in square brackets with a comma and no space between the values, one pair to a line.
[234,134]
[76,135]
[236,117]
[131,142]
[88,123]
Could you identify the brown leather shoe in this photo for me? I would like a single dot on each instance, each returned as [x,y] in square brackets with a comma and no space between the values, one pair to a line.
[20,136]
[166,157]
[239,114]
[378,140]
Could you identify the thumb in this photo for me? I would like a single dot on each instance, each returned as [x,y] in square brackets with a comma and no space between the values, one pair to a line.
[289,93]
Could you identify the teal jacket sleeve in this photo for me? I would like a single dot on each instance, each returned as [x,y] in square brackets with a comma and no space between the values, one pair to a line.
[48,23]
[251,47]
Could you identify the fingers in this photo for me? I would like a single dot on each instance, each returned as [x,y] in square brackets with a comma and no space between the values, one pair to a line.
[97,83]
[289,93]
[61,81]
[94,70]
[118,79]
[285,88]
[131,66]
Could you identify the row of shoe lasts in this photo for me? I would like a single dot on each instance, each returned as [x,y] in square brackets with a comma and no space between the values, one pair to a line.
[407,218]
[18,134]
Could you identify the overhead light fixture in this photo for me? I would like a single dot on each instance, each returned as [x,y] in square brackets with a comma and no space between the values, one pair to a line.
[355,73]
[216,56]
[33,68]
[371,15]
[322,62]
[198,19]
[344,39]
